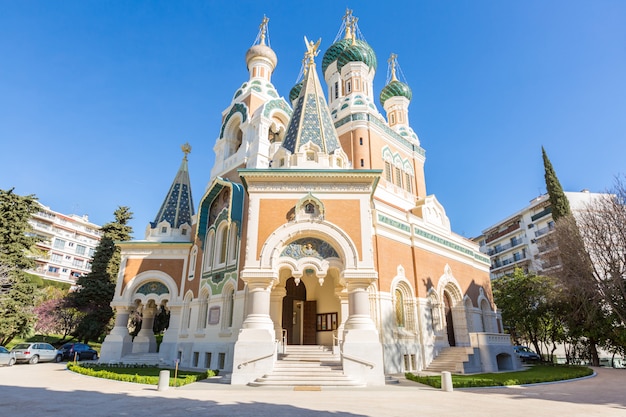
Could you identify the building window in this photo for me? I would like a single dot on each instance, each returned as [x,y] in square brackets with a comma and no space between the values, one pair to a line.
[53,269]
[80,249]
[78,263]
[388,171]
[59,243]
[223,243]
[336,89]
[398,177]
[282,162]
[392,118]
[348,86]
[55,257]
[196,356]
[229,301]
[309,208]
[310,156]
[399,308]
[362,163]
[408,182]
[221,360]
[207,360]
[183,232]
[91,252]
[361,141]
[164,229]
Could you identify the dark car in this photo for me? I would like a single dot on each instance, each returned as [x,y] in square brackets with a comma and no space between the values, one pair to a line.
[79,350]
[525,354]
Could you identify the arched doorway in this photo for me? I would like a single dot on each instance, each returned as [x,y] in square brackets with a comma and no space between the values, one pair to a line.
[449,321]
[299,315]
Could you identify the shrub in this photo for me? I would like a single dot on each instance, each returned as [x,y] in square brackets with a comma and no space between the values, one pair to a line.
[140,374]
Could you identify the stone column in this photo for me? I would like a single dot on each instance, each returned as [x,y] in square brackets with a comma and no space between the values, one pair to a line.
[255,350]
[362,352]
[145,342]
[276,311]
[167,350]
[342,294]
[118,343]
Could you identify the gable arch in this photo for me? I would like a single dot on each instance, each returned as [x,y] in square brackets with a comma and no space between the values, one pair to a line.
[129,293]
[448,283]
[281,237]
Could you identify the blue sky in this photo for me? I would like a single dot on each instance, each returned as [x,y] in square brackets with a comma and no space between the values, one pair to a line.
[96,97]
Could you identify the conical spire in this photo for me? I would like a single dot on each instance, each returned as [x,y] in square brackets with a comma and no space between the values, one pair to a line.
[311,121]
[177,208]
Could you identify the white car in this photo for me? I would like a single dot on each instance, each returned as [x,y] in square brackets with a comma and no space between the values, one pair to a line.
[6,357]
[36,352]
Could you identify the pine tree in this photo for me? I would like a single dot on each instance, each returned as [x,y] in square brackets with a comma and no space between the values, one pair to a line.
[96,289]
[17,293]
[558,200]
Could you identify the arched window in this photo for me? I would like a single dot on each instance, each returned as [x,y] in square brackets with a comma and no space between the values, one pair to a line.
[192,262]
[232,247]
[208,250]
[388,171]
[398,176]
[222,245]
[399,308]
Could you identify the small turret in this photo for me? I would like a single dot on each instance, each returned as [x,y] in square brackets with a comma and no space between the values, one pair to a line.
[260,58]
[174,220]
[395,97]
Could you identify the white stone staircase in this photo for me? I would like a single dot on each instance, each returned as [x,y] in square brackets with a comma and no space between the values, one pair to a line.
[451,359]
[141,359]
[308,365]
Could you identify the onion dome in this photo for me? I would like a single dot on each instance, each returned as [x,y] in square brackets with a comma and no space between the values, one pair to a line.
[295,91]
[333,52]
[357,51]
[395,89]
[261,51]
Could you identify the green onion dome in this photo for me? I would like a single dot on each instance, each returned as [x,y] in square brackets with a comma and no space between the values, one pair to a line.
[333,52]
[359,51]
[395,89]
[295,91]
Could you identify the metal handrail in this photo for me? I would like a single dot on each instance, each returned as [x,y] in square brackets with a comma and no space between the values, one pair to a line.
[354,359]
[246,363]
[284,341]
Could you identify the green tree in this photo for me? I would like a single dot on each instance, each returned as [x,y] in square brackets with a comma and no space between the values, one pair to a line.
[96,289]
[17,293]
[530,308]
[558,200]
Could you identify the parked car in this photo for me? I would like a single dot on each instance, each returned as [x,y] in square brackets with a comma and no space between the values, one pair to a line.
[6,357]
[525,354]
[81,350]
[36,352]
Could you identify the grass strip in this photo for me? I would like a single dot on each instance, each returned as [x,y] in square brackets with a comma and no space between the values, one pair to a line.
[138,374]
[533,375]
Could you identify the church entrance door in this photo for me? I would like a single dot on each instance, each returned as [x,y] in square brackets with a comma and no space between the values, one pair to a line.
[299,315]
[449,322]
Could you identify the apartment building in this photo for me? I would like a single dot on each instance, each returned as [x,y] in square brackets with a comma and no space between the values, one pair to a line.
[67,246]
[519,241]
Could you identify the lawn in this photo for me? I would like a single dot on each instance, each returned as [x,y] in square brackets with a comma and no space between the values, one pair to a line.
[138,374]
[533,375]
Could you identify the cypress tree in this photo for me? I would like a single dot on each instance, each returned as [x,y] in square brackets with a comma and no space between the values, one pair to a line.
[96,289]
[558,200]
[17,293]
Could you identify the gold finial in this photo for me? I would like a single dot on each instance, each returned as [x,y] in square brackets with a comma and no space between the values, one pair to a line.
[186,149]
[311,50]
[392,64]
[347,18]
[263,29]
[353,24]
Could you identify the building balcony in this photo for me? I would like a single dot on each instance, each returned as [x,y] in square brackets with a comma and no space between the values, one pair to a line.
[544,230]
[515,259]
[501,248]
[501,233]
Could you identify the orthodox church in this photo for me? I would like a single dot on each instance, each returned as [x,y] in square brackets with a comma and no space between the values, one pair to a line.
[315,231]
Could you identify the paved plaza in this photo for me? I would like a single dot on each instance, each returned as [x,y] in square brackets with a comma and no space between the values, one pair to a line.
[48,389]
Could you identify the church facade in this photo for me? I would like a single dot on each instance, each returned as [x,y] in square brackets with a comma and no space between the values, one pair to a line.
[315,229]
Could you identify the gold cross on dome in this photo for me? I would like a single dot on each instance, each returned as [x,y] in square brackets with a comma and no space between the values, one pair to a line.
[186,149]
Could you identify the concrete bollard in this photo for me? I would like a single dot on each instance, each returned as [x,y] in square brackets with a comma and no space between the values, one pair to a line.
[164,380]
[446,381]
